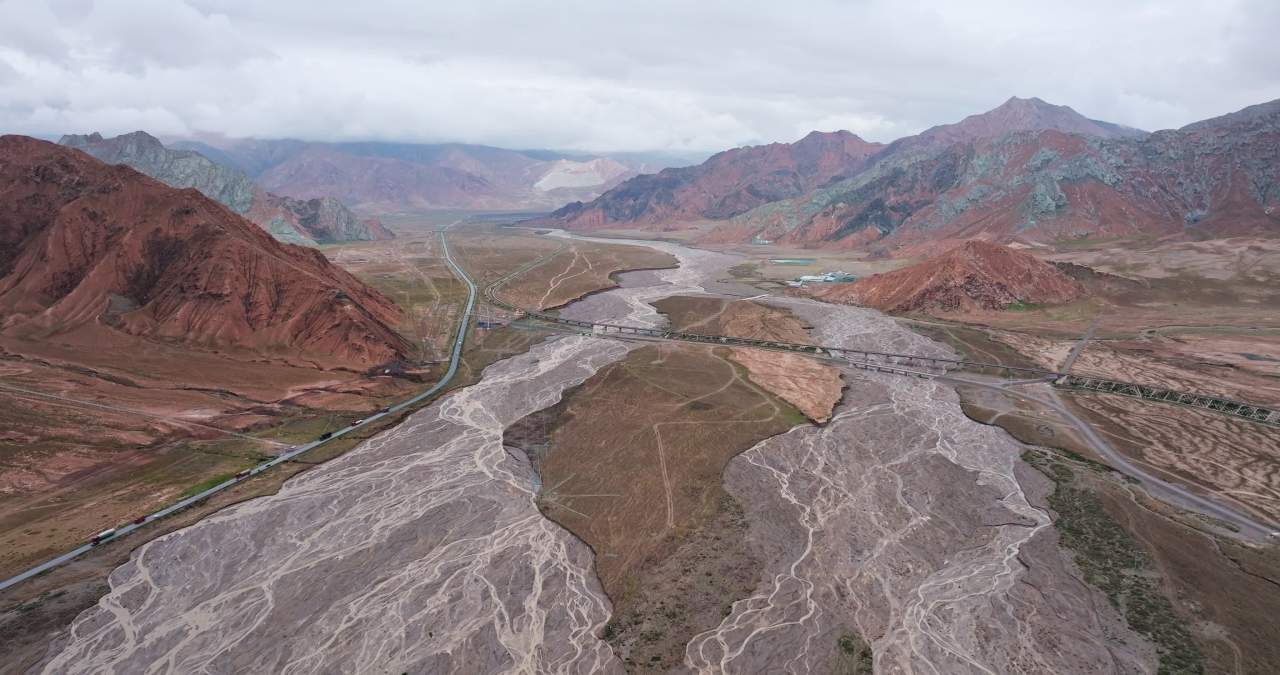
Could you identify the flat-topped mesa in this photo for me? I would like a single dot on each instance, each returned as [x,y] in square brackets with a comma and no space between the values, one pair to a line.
[87,246]
[976,275]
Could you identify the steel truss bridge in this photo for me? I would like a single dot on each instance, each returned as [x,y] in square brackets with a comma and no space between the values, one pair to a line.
[902,364]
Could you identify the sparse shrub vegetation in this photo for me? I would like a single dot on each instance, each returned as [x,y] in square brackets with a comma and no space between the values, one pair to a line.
[1112,562]
[853,656]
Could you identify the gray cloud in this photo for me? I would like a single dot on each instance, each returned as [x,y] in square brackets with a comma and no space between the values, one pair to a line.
[575,74]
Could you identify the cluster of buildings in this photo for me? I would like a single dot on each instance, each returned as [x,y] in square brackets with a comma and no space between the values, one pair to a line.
[824,278]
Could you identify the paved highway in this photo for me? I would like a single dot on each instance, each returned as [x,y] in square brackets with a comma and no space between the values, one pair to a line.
[454,358]
[1247,525]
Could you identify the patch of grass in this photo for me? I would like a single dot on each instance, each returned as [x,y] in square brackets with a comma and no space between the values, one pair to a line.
[610,631]
[972,343]
[1046,461]
[790,415]
[1112,562]
[1022,306]
[853,656]
[1066,244]
[206,484]
[305,428]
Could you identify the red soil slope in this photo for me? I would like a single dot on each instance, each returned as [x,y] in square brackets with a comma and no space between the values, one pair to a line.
[976,275]
[84,243]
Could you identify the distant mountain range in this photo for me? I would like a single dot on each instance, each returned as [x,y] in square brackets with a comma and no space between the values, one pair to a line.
[88,246]
[729,183]
[395,177]
[1027,171]
[319,219]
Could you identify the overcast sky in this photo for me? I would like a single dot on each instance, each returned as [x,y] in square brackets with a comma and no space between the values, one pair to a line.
[601,75]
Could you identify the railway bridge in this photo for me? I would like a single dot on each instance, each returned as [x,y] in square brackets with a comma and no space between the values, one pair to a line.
[905,364]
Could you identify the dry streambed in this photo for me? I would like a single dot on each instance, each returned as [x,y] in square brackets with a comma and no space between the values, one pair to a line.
[907,525]
[422,550]
[900,523]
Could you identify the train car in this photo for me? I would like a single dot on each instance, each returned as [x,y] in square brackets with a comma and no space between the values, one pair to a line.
[102,536]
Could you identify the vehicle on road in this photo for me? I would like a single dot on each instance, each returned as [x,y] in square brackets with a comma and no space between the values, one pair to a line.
[242,475]
[326,435]
[357,423]
[102,536]
[140,520]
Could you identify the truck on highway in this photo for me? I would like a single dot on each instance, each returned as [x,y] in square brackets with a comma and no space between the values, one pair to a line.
[102,536]
[242,475]
[325,436]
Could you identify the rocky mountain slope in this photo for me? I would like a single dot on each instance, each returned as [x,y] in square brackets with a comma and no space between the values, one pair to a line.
[1215,178]
[319,219]
[383,177]
[729,183]
[379,183]
[976,275]
[1026,171]
[1015,114]
[87,245]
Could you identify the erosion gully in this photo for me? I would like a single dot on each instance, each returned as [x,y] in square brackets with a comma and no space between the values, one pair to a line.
[422,550]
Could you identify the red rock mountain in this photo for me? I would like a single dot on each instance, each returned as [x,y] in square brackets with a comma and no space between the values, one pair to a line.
[1016,114]
[729,183]
[976,275]
[1215,178]
[1027,171]
[87,245]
